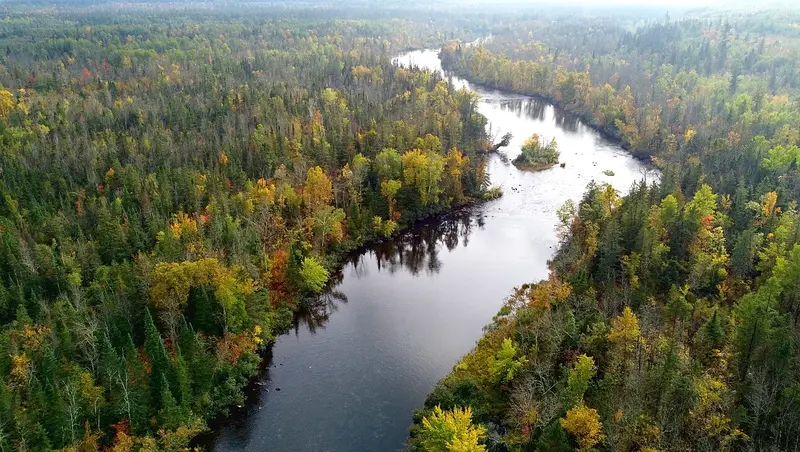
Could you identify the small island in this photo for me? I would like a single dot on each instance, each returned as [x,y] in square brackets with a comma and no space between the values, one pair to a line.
[535,156]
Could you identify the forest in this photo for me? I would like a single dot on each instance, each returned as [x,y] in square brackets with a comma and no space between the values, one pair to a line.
[176,184]
[178,181]
[670,317]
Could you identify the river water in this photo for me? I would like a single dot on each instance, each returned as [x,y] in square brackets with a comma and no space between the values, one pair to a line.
[352,372]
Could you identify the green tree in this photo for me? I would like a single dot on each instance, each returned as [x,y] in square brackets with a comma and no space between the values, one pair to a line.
[423,171]
[159,361]
[579,378]
[327,226]
[504,365]
[313,274]
[389,189]
[388,164]
[536,156]
[171,415]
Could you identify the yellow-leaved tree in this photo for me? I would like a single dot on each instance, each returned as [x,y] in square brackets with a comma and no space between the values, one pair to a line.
[452,431]
[318,190]
[626,338]
[171,282]
[583,423]
[625,331]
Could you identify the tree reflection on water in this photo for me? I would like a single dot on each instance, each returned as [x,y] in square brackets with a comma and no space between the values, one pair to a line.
[536,109]
[414,251]
[315,311]
[418,250]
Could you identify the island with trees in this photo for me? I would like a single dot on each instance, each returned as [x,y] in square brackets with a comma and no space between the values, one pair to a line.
[535,156]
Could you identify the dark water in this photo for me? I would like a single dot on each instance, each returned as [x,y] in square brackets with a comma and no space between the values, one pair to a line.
[360,362]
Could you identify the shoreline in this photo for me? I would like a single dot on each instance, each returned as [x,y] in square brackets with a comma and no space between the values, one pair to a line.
[533,168]
[340,258]
[588,121]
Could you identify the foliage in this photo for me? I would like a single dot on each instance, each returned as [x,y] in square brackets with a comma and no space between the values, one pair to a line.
[579,378]
[669,319]
[176,179]
[536,156]
[451,431]
[625,330]
[313,274]
[504,365]
[583,423]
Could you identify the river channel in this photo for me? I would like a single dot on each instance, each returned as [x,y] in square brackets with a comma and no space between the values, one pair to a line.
[352,372]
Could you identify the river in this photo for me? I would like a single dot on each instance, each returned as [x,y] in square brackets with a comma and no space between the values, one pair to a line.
[352,372]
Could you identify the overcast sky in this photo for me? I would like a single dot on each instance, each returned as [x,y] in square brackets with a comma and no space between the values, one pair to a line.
[666,3]
[631,2]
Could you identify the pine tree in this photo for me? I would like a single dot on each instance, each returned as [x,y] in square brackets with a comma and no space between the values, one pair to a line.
[109,366]
[160,363]
[713,333]
[133,388]
[170,415]
[7,425]
[184,387]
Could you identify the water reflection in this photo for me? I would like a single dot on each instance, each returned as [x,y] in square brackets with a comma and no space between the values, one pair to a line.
[539,110]
[414,251]
[417,250]
[567,121]
[529,108]
[317,310]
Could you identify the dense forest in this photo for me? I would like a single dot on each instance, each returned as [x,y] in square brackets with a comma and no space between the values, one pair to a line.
[178,181]
[176,184]
[670,318]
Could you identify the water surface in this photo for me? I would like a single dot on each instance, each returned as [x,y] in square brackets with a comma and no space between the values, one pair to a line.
[351,374]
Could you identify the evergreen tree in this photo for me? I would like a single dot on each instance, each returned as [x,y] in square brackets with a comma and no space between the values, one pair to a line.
[159,362]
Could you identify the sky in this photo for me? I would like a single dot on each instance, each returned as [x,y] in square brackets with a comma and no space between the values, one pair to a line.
[629,2]
[668,3]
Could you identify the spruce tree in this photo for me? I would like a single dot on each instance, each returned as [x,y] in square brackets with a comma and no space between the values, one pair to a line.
[160,363]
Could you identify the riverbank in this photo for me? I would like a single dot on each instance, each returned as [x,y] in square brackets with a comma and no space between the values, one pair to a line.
[335,261]
[586,117]
[533,168]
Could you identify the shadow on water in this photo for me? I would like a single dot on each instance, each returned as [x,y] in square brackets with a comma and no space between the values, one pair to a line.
[530,108]
[567,121]
[316,311]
